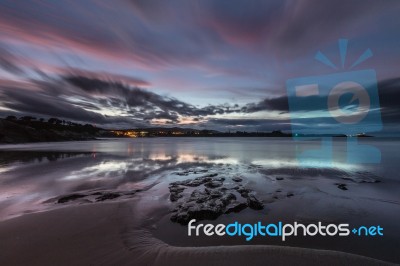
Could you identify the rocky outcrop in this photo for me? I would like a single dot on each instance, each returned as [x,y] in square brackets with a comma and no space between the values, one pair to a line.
[71,197]
[108,196]
[341,186]
[97,196]
[210,199]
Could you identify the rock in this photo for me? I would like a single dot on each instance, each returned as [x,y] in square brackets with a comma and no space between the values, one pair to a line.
[176,189]
[199,181]
[194,183]
[206,211]
[214,193]
[279,178]
[254,203]
[236,207]
[175,192]
[107,196]
[131,193]
[221,179]
[289,195]
[244,192]
[227,198]
[208,202]
[199,196]
[175,196]
[202,171]
[213,184]
[70,198]
[342,186]
[237,179]
[185,173]
[189,182]
[362,177]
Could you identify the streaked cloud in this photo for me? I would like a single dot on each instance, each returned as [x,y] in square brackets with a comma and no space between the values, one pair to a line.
[139,63]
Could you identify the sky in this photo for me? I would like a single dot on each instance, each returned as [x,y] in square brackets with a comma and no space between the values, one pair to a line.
[221,65]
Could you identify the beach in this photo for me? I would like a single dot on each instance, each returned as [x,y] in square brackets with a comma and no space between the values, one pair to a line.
[125,202]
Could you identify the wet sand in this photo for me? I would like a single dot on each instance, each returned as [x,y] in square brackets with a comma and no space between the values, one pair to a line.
[109,234]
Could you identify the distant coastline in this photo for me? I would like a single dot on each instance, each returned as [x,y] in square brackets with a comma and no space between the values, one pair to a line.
[29,129]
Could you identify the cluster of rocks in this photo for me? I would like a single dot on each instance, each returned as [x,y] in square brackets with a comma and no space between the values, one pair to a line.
[94,197]
[362,177]
[71,197]
[211,200]
[194,171]
[280,194]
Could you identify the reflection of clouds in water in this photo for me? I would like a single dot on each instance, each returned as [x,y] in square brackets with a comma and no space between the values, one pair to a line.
[34,172]
[180,158]
[34,177]
[190,158]
[276,163]
[4,169]
[160,157]
[193,158]
[14,191]
[100,170]
[123,167]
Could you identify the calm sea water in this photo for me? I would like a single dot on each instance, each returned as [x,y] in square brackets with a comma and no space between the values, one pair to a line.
[32,173]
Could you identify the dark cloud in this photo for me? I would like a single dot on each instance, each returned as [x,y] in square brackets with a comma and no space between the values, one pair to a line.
[270,104]
[389,95]
[72,74]
[7,62]
[152,105]
[248,124]
[43,104]
[140,106]
[82,98]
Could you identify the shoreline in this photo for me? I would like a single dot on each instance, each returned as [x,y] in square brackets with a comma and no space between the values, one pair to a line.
[104,220]
[109,233]
[304,138]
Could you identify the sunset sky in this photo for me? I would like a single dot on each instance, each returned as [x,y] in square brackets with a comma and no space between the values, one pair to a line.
[203,64]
